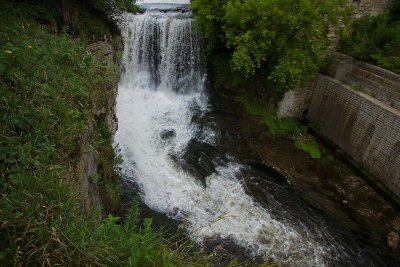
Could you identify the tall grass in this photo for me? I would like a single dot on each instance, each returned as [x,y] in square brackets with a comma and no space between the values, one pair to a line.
[45,85]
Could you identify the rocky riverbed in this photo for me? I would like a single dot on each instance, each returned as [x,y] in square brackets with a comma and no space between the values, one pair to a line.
[327,184]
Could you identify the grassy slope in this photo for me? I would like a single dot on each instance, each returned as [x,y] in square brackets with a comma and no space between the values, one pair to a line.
[45,84]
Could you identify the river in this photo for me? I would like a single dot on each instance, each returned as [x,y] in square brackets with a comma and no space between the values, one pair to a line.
[170,149]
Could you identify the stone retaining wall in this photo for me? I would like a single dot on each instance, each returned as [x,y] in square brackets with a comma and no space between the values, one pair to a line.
[364,127]
[295,102]
[379,83]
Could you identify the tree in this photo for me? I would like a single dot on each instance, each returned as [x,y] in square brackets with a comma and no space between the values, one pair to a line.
[209,17]
[287,37]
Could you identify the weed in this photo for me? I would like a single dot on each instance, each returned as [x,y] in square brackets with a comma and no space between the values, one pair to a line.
[258,107]
[309,146]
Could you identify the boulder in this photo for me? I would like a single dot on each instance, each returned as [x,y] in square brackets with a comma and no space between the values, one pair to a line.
[393,239]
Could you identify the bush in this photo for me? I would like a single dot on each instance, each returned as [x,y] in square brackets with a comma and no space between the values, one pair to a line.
[375,39]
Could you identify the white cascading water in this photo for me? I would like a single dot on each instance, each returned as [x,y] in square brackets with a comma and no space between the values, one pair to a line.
[162,87]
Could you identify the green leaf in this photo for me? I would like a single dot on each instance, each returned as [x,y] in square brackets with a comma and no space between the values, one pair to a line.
[19,179]
[2,68]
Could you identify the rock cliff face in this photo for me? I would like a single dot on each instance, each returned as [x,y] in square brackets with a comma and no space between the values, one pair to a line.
[103,102]
[109,50]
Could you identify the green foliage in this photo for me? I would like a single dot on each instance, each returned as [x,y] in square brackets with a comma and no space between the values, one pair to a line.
[44,84]
[287,37]
[395,10]
[222,75]
[96,17]
[46,81]
[134,246]
[43,225]
[309,146]
[88,18]
[127,5]
[375,39]
[111,7]
[276,126]
[107,161]
[281,127]
[209,17]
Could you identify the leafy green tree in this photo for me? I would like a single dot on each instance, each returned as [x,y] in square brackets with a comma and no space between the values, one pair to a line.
[287,37]
[395,10]
[209,18]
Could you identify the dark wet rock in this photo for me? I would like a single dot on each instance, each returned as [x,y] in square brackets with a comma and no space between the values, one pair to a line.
[328,184]
[167,134]
[396,224]
[227,250]
[198,160]
[393,239]
[368,213]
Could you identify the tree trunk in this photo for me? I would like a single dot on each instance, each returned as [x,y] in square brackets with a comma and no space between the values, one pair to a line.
[66,11]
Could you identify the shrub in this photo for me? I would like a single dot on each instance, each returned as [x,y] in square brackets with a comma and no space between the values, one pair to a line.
[375,39]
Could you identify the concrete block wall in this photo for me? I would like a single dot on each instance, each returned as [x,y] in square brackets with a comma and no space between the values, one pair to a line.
[370,7]
[379,83]
[364,127]
[295,102]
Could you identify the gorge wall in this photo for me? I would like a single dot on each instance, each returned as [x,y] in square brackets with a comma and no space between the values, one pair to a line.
[103,104]
[357,107]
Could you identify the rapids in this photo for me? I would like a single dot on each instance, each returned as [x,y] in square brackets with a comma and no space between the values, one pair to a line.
[161,96]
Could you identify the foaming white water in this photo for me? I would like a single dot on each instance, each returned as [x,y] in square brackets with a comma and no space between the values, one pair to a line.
[162,52]
[161,89]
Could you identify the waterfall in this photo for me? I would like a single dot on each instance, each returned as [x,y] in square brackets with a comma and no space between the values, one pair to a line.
[164,53]
[161,90]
